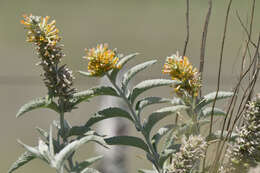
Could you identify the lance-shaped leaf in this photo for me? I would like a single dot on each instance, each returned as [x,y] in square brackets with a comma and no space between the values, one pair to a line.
[108,113]
[206,112]
[97,91]
[177,101]
[44,102]
[78,130]
[34,151]
[169,143]
[84,73]
[90,170]
[165,155]
[121,64]
[209,98]
[148,84]
[133,71]
[146,171]
[217,135]
[22,160]
[161,132]
[125,59]
[63,155]
[129,141]
[45,135]
[160,114]
[86,163]
[150,101]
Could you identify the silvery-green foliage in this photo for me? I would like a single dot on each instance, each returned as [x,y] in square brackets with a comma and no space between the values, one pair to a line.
[45,150]
[244,151]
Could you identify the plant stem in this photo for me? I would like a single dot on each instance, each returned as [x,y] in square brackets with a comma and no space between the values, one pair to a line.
[138,124]
[63,132]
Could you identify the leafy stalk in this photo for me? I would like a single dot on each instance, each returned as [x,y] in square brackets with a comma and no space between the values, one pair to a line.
[138,125]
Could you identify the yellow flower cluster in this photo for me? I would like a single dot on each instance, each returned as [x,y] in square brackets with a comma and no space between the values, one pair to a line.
[101,60]
[179,68]
[40,31]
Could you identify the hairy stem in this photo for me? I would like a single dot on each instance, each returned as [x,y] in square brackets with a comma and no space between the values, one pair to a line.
[138,124]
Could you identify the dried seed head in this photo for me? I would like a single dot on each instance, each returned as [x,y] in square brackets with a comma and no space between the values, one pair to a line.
[245,151]
[191,151]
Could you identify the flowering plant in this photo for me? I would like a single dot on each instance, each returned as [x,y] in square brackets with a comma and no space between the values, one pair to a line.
[177,147]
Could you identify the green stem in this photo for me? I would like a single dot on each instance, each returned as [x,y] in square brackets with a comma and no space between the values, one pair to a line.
[63,132]
[138,124]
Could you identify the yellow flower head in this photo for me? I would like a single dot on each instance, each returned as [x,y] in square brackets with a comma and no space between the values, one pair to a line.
[40,31]
[179,68]
[101,60]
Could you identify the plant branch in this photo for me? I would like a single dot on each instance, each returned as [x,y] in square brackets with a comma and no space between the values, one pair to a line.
[138,124]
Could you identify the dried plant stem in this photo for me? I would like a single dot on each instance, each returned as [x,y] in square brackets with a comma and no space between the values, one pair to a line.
[203,41]
[215,163]
[236,90]
[187,26]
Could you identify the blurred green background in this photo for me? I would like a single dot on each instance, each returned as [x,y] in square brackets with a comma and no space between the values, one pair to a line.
[154,28]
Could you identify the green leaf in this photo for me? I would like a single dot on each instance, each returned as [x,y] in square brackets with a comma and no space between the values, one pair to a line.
[161,132]
[108,113]
[160,114]
[85,73]
[206,112]
[34,151]
[125,59]
[165,155]
[217,135]
[22,160]
[146,171]
[203,122]
[63,155]
[169,140]
[148,84]
[90,170]
[209,98]
[79,167]
[78,130]
[97,91]
[133,71]
[177,101]
[129,141]
[44,102]
[121,63]
[45,135]
[149,101]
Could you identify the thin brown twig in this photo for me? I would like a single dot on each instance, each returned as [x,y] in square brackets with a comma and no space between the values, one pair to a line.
[219,75]
[203,41]
[187,26]
[245,53]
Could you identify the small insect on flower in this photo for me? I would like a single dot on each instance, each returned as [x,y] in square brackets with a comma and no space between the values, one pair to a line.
[39,31]
[101,60]
[179,68]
